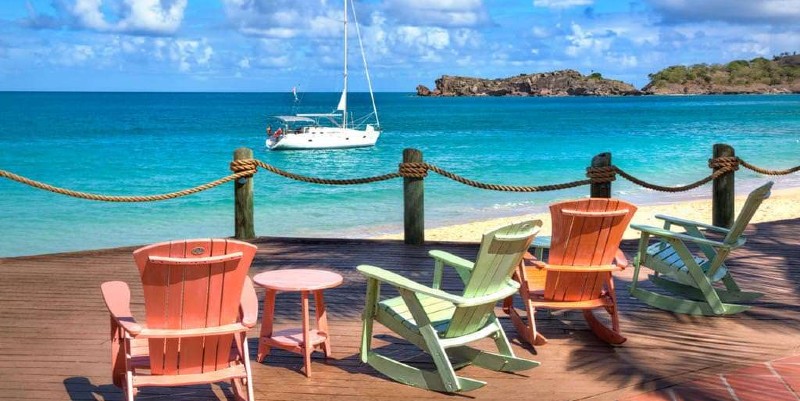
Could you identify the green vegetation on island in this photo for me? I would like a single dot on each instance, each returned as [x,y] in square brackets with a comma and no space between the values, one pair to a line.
[759,75]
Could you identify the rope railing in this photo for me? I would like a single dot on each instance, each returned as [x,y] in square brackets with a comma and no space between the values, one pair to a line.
[414,170]
[249,167]
[121,198]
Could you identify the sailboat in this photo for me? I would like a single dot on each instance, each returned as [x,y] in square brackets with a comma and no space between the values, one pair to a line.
[333,130]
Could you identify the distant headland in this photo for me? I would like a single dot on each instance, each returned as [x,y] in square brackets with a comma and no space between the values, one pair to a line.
[759,75]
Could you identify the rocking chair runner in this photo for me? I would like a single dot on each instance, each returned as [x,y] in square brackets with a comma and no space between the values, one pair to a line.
[441,323]
[584,251]
[689,277]
[199,302]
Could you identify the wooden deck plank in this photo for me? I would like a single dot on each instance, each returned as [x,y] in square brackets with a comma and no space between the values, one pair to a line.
[54,345]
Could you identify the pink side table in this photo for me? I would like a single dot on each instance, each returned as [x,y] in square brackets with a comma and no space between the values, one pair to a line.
[300,340]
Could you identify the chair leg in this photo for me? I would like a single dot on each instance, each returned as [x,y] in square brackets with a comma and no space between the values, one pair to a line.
[685,306]
[603,332]
[527,330]
[412,376]
[443,365]
[117,355]
[695,294]
[367,319]
[504,361]
[247,369]
[129,390]
[488,360]
[610,335]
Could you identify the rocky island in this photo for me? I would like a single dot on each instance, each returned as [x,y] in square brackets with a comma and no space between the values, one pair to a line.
[759,75]
[558,83]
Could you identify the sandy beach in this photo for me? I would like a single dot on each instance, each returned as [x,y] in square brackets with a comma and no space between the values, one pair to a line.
[783,204]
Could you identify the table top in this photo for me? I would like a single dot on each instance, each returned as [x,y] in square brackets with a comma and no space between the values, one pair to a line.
[298,279]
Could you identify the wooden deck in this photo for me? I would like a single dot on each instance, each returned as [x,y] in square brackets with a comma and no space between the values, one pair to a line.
[54,329]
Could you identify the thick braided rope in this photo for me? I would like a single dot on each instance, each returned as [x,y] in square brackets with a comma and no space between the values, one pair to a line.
[727,162]
[698,183]
[507,188]
[325,181]
[413,170]
[768,172]
[599,175]
[110,198]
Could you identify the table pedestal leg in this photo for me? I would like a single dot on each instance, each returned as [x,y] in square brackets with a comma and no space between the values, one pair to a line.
[308,348]
[266,325]
[322,321]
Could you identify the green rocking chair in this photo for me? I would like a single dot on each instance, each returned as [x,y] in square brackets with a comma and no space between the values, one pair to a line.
[690,277]
[442,323]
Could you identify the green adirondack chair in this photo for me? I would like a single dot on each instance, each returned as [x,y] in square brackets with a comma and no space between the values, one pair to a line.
[691,277]
[442,323]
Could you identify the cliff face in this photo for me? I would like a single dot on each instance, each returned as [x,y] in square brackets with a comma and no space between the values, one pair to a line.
[780,75]
[558,83]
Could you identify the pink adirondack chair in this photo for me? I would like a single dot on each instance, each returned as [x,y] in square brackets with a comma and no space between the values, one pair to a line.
[584,251]
[199,304]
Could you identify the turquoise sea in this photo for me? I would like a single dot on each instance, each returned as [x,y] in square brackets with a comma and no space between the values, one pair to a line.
[150,143]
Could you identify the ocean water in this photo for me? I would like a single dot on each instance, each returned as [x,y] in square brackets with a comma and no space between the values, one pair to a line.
[151,143]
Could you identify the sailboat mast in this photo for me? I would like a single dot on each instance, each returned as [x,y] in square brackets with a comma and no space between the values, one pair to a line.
[344,91]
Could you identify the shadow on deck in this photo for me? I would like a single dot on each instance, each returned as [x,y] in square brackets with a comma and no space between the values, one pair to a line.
[54,328]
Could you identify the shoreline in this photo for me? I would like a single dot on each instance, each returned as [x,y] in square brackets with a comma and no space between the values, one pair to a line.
[782,204]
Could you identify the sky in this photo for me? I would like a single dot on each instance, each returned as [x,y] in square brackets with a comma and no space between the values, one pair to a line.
[274,45]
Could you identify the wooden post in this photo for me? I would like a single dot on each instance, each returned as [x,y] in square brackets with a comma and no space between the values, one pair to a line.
[601,189]
[243,200]
[722,192]
[414,202]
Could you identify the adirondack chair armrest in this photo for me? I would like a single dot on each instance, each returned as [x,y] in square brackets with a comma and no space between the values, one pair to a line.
[660,232]
[399,281]
[689,223]
[117,297]
[249,304]
[583,269]
[452,260]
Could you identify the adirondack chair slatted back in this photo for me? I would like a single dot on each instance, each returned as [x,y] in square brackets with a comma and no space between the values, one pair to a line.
[500,253]
[189,285]
[748,210]
[586,232]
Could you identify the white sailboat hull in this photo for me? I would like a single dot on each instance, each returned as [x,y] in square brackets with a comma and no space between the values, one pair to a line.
[325,138]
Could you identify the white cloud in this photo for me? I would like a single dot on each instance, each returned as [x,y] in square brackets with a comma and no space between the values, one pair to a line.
[190,53]
[731,11]
[582,41]
[131,52]
[439,13]
[285,18]
[152,17]
[560,4]
[88,14]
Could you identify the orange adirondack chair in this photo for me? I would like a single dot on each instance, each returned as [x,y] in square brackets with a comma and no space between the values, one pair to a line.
[584,251]
[199,304]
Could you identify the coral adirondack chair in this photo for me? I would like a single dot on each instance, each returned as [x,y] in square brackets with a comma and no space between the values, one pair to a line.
[584,251]
[691,277]
[199,304]
[442,323]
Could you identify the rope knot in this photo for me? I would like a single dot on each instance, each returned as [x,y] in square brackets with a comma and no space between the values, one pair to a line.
[244,166]
[601,174]
[727,163]
[413,170]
